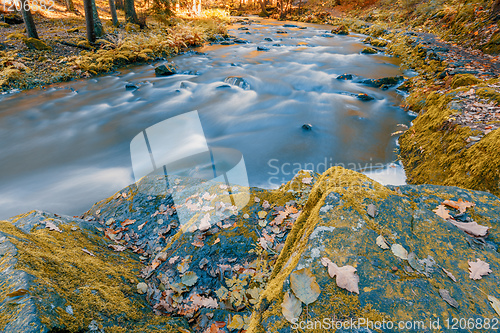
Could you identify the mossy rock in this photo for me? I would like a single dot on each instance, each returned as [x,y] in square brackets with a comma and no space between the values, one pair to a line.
[166,70]
[489,94]
[461,80]
[493,45]
[383,82]
[435,151]
[36,44]
[335,224]
[369,50]
[4,25]
[340,30]
[58,274]
[131,27]
[379,43]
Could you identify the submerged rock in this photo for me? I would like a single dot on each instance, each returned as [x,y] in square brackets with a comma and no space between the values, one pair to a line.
[364,97]
[386,82]
[240,41]
[307,127]
[344,77]
[262,48]
[165,70]
[237,81]
[131,86]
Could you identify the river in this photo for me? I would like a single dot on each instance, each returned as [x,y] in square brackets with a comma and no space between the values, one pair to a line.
[67,146]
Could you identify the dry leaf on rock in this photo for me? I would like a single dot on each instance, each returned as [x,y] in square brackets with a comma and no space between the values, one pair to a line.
[127,222]
[346,276]
[52,226]
[450,275]
[381,242]
[142,288]
[445,295]
[189,279]
[478,269]
[291,307]
[471,228]
[117,248]
[399,251]
[372,210]
[495,303]
[307,180]
[442,212]
[461,205]
[304,285]
[88,252]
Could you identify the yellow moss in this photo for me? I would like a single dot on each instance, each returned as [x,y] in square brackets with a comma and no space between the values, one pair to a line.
[464,80]
[95,286]
[349,184]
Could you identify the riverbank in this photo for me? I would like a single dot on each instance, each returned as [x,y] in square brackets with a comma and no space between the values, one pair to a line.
[456,94]
[64,54]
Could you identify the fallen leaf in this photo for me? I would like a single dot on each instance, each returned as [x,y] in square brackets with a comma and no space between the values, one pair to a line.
[307,180]
[262,214]
[372,210]
[18,292]
[346,276]
[399,251]
[142,226]
[142,288]
[205,223]
[291,307]
[172,260]
[450,275]
[127,222]
[216,241]
[445,294]
[266,204]
[304,285]
[471,228]
[381,242]
[88,252]
[117,248]
[478,269]
[237,323]
[461,205]
[442,212]
[495,303]
[198,243]
[52,226]
[189,279]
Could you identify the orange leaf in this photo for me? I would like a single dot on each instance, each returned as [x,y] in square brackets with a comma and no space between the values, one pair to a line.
[460,204]
[442,212]
[127,222]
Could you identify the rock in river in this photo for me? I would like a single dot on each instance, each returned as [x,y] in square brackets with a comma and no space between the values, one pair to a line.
[237,81]
[166,70]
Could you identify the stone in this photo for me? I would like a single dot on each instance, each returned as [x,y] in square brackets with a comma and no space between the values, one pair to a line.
[364,97]
[262,48]
[385,81]
[369,50]
[340,30]
[131,86]
[268,39]
[165,70]
[237,81]
[307,127]
[344,77]
[241,41]
[13,19]
[290,25]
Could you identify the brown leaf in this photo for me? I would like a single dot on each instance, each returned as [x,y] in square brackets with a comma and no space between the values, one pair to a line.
[478,269]
[460,204]
[445,294]
[304,285]
[291,307]
[451,276]
[117,248]
[471,228]
[127,222]
[52,226]
[442,212]
[346,276]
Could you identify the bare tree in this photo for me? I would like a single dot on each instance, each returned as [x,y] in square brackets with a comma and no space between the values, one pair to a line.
[99,30]
[28,20]
[89,19]
[112,9]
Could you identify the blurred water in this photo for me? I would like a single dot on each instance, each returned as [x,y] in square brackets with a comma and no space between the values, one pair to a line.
[66,147]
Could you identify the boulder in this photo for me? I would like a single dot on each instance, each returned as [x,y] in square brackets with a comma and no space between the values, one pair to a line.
[364,97]
[262,48]
[340,30]
[418,271]
[344,77]
[13,18]
[166,70]
[383,82]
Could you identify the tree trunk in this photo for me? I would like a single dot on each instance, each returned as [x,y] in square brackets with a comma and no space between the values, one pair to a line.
[28,21]
[89,19]
[119,4]
[99,30]
[112,9]
[70,6]
[263,7]
[130,14]
[495,9]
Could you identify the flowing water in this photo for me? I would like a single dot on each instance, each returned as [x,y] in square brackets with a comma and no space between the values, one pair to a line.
[67,146]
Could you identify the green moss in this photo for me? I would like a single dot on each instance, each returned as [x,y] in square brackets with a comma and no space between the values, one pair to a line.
[378,43]
[369,50]
[461,80]
[493,45]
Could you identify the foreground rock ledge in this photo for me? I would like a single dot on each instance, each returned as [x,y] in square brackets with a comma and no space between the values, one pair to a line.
[58,273]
